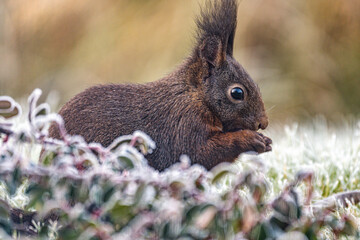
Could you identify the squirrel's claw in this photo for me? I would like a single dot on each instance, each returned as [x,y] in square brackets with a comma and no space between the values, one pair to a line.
[261,143]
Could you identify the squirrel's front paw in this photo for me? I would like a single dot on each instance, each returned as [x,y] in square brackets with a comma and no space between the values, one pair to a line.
[254,141]
[267,141]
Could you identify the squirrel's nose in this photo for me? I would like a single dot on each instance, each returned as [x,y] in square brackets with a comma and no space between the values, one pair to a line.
[262,123]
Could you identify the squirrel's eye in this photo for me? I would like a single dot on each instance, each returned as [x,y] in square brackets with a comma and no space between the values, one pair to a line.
[237,93]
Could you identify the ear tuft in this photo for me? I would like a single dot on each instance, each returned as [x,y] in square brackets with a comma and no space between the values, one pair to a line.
[218,20]
[212,51]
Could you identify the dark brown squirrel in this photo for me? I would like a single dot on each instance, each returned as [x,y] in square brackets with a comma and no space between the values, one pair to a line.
[209,108]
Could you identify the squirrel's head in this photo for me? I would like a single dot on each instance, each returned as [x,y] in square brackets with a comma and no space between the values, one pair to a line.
[233,97]
[226,88]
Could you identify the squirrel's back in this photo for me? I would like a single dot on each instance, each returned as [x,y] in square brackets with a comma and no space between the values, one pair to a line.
[166,110]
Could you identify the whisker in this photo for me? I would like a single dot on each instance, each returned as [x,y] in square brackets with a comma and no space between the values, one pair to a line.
[271,108]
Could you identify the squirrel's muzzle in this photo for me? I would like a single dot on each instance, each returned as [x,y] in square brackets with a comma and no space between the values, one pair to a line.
[262,123]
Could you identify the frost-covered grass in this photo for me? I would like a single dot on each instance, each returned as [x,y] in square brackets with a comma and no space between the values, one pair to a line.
[257,196]
[332,153]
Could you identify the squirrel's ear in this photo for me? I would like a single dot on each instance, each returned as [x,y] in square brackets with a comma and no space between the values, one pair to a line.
[230,43]
[212,51]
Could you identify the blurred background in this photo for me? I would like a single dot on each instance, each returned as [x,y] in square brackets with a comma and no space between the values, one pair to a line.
[304,54]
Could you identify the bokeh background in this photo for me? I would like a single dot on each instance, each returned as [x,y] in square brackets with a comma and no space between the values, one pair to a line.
[304,54]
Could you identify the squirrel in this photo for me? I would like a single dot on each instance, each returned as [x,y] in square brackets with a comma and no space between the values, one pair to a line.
[209,108]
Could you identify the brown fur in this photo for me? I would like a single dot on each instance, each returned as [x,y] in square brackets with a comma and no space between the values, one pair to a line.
[187,112]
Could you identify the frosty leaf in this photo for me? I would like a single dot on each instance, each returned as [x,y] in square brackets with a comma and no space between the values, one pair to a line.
[8,107]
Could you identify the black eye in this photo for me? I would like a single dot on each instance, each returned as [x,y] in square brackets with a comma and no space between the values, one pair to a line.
[237,93]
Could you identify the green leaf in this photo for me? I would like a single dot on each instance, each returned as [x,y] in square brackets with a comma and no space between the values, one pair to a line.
[5,225]
[109,191]
[4,209]
[126,163]
[69,233]
[262,232]
[121,214]
[219,175]
[37,193]
[139,194]
[15,182]
[48,159]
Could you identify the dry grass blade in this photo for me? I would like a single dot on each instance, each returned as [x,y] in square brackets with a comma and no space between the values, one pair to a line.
[341,199]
